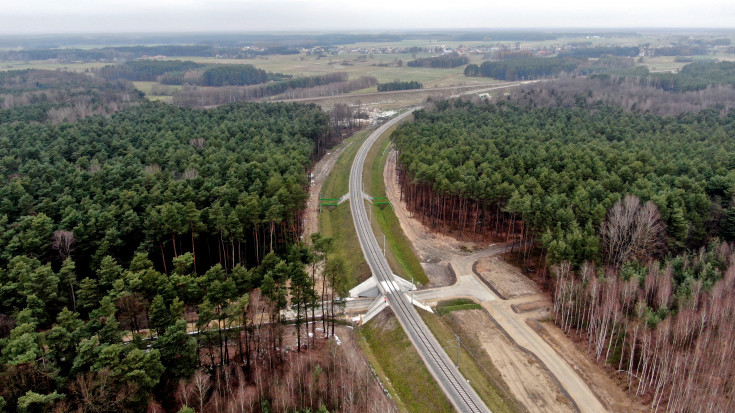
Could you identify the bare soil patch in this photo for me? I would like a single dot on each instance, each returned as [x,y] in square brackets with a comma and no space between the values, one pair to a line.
[528,379]
[319,173]
[605,388]
[530,306]
[504,278]
[442,274]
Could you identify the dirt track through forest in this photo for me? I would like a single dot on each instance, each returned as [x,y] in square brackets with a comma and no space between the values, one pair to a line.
[319,173]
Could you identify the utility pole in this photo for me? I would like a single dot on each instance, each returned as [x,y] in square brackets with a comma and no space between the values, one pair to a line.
[383,245]
[459,347]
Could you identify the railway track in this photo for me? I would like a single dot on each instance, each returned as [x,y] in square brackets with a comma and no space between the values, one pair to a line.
[458,391]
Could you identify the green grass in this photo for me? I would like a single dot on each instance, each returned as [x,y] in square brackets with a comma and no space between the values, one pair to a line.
[47,65]
[400,367]
[384,221]
[147,89]
[336,222]
[459,304]
[483,377]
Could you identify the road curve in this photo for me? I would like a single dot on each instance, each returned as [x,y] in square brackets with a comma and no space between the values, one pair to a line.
[462,396]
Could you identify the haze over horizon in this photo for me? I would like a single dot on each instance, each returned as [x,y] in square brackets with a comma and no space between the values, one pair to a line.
[136,16]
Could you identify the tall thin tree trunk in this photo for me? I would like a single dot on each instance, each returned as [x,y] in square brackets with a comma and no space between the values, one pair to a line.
[163,258]
[193,251]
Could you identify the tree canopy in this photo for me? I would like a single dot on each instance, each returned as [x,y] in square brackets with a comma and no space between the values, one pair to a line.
[560,169]
[158,177]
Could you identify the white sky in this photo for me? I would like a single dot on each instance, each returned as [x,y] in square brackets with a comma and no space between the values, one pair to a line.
[112,16]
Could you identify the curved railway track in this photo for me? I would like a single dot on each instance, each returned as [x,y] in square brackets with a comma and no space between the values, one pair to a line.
[462,396]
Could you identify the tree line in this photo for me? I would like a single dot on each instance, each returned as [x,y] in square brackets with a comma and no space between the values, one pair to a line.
[633,94]
[446,61]
[47,96]
[233,75]
[597,52]
[112,53]
[398,85]
[692,77]
[681,50]
[146,70]
[523,68]
[177,72]
[313,86]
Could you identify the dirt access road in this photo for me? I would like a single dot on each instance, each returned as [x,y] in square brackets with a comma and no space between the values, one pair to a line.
[318,174]
[435,249]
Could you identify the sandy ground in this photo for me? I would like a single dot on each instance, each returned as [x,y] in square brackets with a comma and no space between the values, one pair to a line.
[527,300]
[528,380]
[507,280]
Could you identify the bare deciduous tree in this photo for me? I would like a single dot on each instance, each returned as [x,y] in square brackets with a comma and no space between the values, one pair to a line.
[63,242]
[632,230]
[201,385]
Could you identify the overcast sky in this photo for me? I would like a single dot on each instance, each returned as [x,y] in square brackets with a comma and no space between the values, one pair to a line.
[114,16]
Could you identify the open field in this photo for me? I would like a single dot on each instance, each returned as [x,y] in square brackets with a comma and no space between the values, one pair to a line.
[147,89]
[355,65]
[47,65]
[661,63]
[383,66]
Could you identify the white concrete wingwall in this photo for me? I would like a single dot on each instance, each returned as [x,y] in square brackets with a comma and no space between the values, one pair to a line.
[375,308]
[368,288]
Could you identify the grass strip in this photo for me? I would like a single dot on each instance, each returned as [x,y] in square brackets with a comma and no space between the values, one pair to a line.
[335,221]
[400,367]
